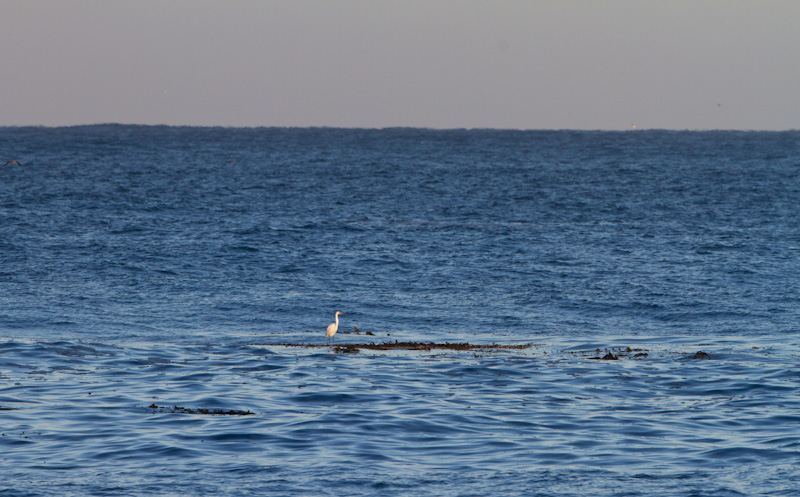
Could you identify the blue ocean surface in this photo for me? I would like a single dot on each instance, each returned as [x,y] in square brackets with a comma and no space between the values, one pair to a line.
[164,295]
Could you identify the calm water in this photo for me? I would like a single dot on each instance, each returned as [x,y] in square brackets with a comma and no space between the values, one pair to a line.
[147,269]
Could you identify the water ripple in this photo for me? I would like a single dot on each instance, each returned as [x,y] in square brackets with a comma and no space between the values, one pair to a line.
[70,406]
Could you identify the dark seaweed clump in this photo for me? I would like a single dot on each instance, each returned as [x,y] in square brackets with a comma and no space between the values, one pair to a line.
[616,354]
[211,412]
[353,348]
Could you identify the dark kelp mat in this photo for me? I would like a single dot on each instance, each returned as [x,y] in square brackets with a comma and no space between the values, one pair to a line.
[597,354]
[210,412]
[404,346]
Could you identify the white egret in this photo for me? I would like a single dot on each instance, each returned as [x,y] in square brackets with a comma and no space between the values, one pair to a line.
[333,327]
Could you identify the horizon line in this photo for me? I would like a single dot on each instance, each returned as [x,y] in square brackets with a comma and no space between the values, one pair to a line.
[632,128]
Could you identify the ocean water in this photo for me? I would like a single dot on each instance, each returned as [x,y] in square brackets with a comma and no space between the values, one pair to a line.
[164,293]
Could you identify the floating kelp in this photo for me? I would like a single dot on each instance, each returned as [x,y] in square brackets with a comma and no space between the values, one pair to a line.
[596,354]
[425,346]
[210,412]
[613,354]
[438,346]
[607,357]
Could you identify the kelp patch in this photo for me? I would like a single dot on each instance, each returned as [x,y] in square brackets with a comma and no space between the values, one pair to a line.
[207,412]
[424,346]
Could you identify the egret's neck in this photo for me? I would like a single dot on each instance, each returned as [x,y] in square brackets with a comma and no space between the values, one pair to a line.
[337,320]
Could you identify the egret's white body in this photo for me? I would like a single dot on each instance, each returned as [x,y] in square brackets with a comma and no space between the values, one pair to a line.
[333,327]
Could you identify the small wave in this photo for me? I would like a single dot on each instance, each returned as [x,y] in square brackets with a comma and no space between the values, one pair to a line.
[750,455]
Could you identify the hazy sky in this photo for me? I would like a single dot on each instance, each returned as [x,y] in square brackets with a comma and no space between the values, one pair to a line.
[592,64]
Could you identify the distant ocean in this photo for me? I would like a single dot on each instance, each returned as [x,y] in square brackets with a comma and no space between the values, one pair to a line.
[164,294]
